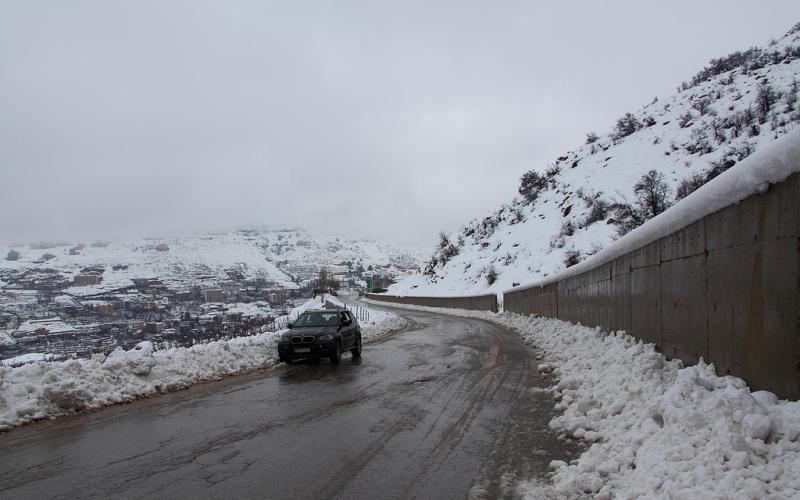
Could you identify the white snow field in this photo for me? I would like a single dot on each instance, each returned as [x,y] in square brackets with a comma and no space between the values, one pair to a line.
[44,389]
[654,428]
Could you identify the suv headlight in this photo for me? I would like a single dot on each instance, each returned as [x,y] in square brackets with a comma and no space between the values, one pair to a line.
[286,337]
[325,338]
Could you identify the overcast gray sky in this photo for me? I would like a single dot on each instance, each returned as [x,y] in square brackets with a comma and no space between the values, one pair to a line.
[387,118]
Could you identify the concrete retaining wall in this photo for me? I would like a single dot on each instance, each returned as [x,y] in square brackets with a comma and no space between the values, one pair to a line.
[478,302]
[724,288]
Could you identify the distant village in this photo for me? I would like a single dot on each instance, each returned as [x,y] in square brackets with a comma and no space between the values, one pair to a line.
[46,314]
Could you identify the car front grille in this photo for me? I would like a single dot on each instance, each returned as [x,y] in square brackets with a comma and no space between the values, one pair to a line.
[303,340]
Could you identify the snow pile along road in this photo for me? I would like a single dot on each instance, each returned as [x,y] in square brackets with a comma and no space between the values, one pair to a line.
[51,388]
[655,428]
[380,325]
[23,359]
[44,389]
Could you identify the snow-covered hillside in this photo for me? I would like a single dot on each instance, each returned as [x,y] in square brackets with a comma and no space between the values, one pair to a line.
[285,257]
[577,205]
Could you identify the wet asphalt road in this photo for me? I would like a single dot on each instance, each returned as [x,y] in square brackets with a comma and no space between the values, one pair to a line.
[446,409]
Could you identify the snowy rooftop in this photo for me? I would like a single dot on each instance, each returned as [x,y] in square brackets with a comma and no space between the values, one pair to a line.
[52,325]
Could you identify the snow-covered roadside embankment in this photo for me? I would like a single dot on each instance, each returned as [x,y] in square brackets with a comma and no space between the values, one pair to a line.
[381,324]
[52,388]
[654,427]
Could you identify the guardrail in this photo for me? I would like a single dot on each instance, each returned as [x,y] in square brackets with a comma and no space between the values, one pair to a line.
[486,302]
[361,313]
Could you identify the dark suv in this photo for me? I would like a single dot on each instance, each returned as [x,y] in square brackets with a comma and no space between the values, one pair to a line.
[325,333]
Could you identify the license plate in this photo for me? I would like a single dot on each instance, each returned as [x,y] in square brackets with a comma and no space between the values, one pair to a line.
[300,350]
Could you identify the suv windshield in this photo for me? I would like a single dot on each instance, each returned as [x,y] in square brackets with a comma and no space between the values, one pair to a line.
[317,319]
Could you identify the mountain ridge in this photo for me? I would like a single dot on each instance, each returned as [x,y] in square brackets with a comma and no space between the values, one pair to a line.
[287,257]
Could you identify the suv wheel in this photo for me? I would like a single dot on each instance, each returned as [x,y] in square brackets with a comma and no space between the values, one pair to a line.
[356,350]
[337,355]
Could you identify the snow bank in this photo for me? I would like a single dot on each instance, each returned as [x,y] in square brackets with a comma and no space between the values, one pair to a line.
[381,324]
[47,389]
[655,428]
[26,358]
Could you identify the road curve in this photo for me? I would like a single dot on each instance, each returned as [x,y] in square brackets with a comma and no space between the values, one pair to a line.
[447,409]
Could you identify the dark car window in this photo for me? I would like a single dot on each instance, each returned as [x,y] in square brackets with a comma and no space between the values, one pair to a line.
[345,319]
[317,319]
[350,317]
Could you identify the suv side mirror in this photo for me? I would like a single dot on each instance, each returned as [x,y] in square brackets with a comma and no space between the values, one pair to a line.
[290,325]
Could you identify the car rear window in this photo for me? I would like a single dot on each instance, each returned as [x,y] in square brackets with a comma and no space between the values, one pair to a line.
[317,319]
